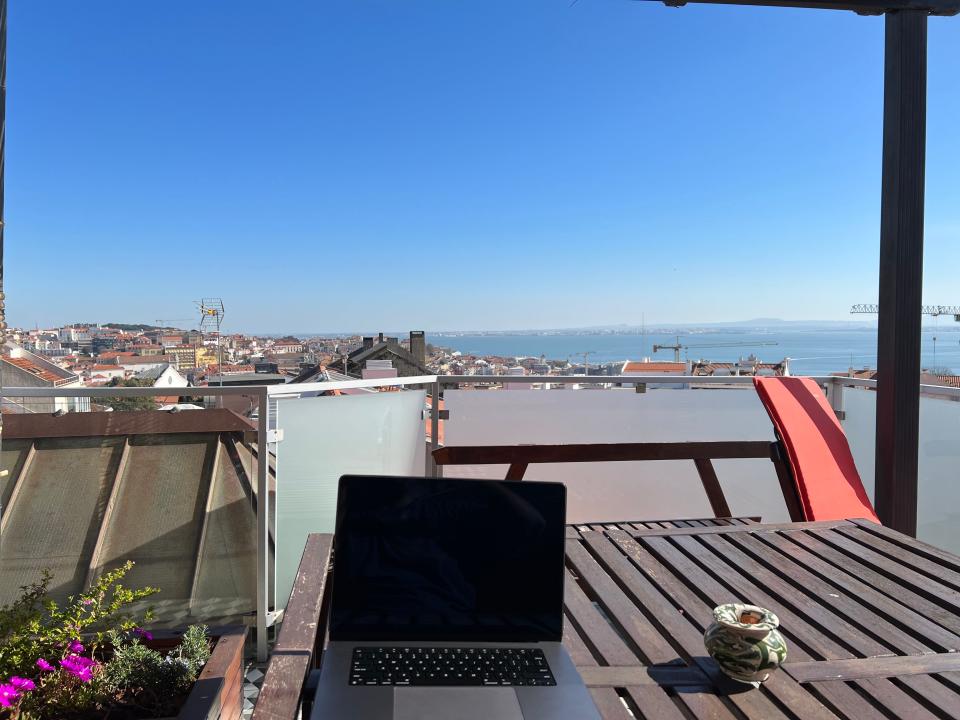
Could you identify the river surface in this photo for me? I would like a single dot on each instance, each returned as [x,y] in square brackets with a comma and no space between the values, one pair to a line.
[812,352]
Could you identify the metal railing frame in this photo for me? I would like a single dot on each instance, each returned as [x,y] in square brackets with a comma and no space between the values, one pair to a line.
[435,385]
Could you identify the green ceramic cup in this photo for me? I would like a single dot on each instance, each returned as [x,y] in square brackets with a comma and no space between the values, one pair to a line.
[745,642]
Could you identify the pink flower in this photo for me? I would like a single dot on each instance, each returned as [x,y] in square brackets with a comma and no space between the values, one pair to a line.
[79,667]
[75,646]
[88,601]
[44,665]
[145,634]
[8,693]
[22,684]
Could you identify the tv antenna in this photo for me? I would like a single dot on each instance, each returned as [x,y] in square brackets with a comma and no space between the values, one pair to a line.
[211,316]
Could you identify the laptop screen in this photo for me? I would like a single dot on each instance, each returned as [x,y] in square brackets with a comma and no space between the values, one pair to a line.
[448,559]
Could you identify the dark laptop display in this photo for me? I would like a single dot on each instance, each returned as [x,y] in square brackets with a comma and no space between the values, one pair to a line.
[448,560]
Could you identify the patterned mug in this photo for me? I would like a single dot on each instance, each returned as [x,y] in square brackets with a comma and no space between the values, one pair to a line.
[745,642]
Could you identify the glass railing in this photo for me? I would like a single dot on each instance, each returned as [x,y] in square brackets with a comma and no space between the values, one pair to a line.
[612,491]
[179,490]
[324,437]
[938,491]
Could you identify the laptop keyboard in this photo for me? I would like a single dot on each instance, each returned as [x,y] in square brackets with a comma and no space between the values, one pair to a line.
[446,666]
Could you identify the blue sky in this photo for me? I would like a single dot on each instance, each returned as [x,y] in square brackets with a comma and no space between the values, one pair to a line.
[363,164]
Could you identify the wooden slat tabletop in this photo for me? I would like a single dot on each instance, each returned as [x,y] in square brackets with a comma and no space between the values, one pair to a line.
[872,618]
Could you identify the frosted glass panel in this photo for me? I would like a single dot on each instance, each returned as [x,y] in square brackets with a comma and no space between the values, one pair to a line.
[326,437]
[938,495]
[938,499]
[624,491]
[860,426]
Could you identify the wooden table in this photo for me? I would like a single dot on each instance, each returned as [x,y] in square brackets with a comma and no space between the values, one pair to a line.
[871,616]
[872,619]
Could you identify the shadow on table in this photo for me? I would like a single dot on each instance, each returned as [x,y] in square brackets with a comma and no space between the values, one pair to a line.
[700,674]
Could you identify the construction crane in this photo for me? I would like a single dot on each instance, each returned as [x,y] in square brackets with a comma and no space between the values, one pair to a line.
[586,355]
[678,347]
[933,310]
[586,364]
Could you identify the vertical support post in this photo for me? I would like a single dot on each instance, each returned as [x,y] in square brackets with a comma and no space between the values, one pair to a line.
[835,398]
[434,470]
[901,268]
[263,526]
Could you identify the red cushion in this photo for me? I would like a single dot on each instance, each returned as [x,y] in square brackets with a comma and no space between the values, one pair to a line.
[817,450]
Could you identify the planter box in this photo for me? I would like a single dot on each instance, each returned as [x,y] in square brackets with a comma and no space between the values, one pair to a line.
[218,692]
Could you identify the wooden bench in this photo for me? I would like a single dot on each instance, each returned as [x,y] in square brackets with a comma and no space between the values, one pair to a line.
[519,457]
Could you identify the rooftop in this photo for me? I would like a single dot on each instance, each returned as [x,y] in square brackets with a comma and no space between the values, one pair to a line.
[653,367]
[197,544]
[34,369]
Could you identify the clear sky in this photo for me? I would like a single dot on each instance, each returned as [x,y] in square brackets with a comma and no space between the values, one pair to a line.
[441,164]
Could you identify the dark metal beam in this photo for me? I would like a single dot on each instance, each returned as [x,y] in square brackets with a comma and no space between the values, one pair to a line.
[901,269]
[863,7]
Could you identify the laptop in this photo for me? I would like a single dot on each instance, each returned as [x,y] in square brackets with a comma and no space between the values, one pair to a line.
[448,603]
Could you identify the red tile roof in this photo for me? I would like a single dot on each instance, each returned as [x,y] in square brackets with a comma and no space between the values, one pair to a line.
[865,374]
[25,364]
[948,380]
[654,367]
[145,360]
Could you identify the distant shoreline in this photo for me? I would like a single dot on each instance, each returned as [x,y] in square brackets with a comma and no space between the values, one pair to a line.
[837,327]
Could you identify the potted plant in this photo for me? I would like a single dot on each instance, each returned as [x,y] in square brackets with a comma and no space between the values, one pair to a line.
[89,658]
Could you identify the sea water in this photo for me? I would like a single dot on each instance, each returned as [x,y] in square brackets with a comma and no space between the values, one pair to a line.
[812,352]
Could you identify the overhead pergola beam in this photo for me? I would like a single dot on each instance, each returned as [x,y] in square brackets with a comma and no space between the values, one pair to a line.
[862,7]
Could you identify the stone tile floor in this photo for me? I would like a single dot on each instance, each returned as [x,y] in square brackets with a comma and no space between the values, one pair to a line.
[252,680]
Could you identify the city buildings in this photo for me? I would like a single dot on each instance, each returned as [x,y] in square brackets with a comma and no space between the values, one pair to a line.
[409,361]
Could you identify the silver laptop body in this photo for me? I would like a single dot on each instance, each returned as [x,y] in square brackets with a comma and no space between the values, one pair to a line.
[426,568]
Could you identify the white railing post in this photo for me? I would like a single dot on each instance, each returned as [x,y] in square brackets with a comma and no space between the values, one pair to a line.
[263,525]
[835,398]
[434,470]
